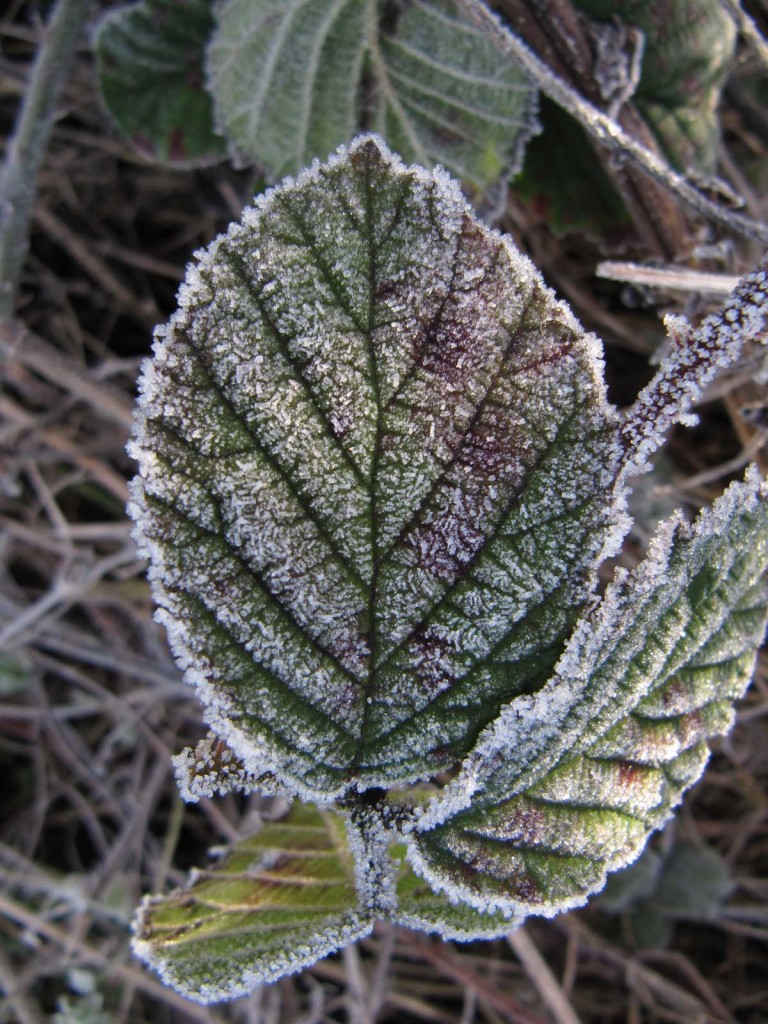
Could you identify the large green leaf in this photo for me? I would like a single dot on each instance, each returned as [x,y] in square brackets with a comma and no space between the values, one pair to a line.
[150,62]
[567,785]
[276,903]
[292,79]
[376,473]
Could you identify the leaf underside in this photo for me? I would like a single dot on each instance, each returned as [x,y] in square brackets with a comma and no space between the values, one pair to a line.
[293,80]
[277,902]
[150,63]
[376,472]
[641,691]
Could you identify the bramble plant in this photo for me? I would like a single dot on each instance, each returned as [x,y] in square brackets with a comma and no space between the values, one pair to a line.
[378,476]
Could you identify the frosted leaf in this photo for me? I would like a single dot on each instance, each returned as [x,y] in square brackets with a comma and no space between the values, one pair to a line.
[569,784]
[149,57]
[377,471]
[275,903]
[293,80]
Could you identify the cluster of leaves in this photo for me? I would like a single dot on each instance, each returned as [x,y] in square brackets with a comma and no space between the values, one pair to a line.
[284,83]
[378,475]
[279,84]
[688,50]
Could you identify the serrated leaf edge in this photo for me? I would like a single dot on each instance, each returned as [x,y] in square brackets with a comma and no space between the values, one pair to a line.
[281,964]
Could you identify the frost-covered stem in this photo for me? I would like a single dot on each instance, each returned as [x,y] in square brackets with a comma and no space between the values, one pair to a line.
[695,358]
[679,278]
[370,832]
[604,128]
[18,186]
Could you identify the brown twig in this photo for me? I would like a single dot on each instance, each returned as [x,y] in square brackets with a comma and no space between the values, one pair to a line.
[29,350]
[558,33]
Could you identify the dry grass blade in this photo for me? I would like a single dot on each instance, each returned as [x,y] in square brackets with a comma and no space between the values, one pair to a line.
[542,977]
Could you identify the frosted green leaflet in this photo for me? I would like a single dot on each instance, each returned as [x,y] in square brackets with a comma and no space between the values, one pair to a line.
[378,472]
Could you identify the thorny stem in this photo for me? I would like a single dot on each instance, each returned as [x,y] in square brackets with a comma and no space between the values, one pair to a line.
[604,128]
[695,358]
[18,185]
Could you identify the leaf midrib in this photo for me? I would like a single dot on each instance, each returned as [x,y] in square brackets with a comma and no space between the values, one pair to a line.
[370,683]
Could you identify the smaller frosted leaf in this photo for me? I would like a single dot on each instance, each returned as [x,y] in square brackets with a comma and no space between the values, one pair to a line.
[274,904]
[568,785]
[293,80]
[149,57]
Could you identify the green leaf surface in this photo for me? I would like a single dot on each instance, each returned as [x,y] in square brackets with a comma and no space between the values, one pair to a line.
[377,470]
[292,80]
[419,906]
[150,63]
[277,902]
[694,883]
[565,182]
[569,784]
